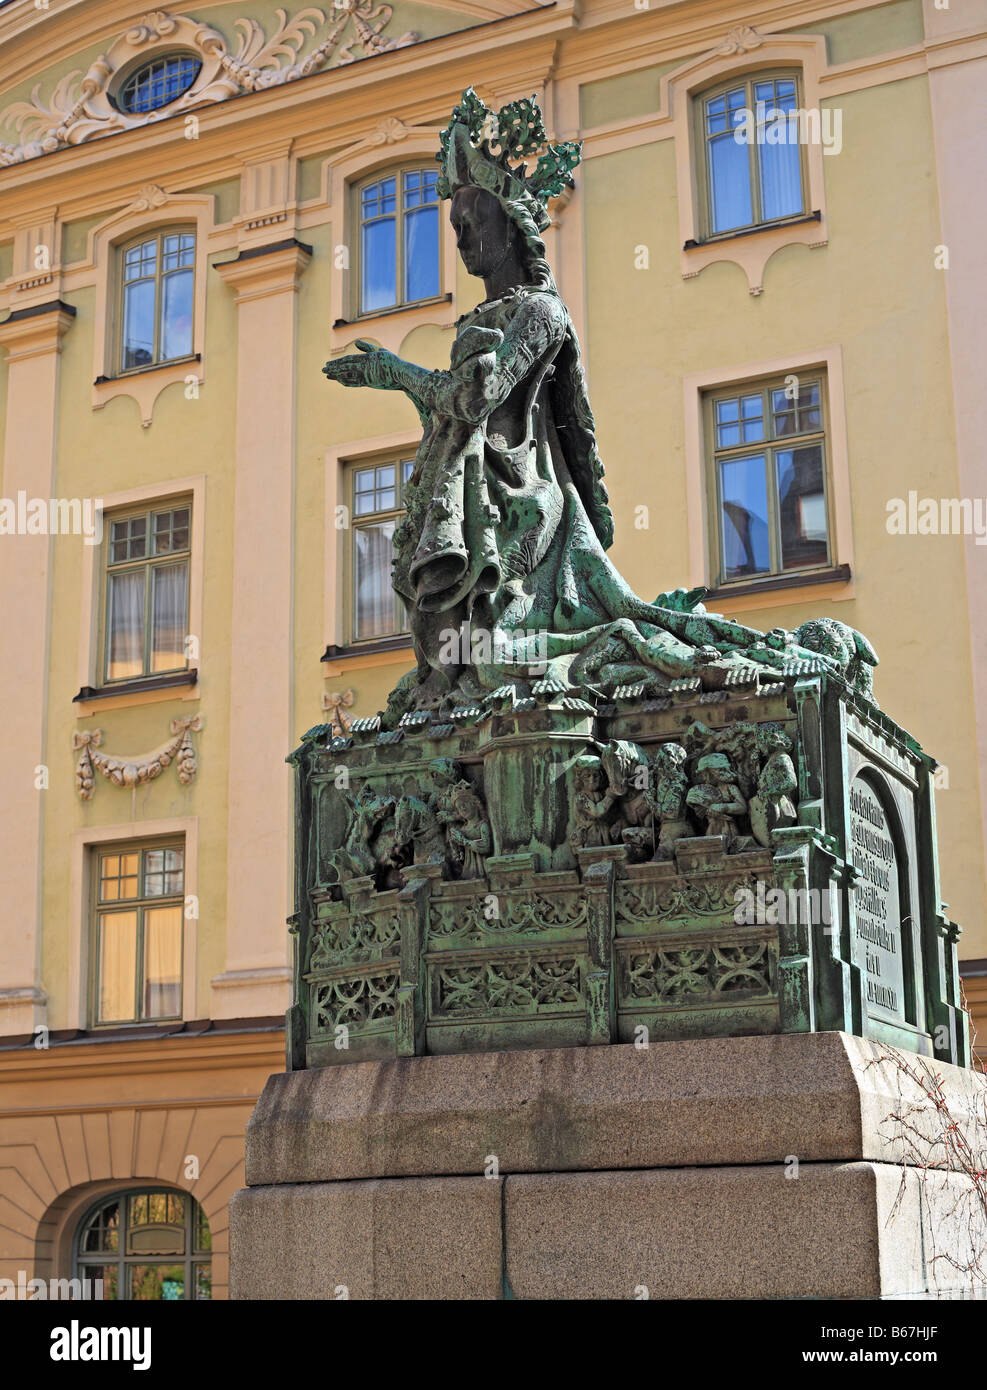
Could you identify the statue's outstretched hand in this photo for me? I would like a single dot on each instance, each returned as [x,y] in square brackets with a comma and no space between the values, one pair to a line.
[377,367]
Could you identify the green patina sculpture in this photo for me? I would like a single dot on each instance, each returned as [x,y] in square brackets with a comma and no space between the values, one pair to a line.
[508,521]
[568,824]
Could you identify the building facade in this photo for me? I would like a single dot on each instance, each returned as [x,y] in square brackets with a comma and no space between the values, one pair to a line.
[198,206]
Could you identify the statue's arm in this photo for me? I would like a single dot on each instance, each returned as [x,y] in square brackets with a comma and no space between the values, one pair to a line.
[479,382]
[483,380]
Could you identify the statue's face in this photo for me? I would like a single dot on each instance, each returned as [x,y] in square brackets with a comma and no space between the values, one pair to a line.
[484,232]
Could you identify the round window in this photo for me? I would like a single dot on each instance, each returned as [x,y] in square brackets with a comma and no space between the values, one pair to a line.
[158,83]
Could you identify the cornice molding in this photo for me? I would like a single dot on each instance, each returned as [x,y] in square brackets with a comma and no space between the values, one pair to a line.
[37,331]
[263,270]
[90,1058]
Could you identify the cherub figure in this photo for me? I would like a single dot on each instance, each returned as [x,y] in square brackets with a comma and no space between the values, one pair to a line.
[772,807]
[716,798]
[589,822]
[471,835]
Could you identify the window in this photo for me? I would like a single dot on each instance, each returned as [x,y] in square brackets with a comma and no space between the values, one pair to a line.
[147,589]
[157,300]
[139,897]
[158,83]
[769,478]
[399,239]
[378,502]
[147,1245]
[757,178]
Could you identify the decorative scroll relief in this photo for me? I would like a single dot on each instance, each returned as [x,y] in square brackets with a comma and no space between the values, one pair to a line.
[712,968]
[80,108]
[355,1003]
[492,986]
[134,770]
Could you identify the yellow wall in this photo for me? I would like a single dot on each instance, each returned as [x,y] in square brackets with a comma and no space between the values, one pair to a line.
[872,292]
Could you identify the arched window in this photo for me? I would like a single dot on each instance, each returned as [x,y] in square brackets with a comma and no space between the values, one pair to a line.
[149,1244]
[750,152]
[157,299]
[158,83]
[399,239]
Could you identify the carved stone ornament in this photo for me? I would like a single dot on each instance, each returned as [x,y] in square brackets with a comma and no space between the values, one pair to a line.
[80,108]
[741,40]
[389,131]
[335,704]
[135,769]
[151,195]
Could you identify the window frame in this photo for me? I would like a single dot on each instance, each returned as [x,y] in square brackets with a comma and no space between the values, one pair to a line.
[158,234]
[147,509]
[357,187]
[352,468]
[701,144]
[769,445]
[193,1257]
[123,79]
[97,850]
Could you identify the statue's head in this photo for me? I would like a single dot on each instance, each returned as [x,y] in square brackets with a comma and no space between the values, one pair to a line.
[485,235]
[484,168]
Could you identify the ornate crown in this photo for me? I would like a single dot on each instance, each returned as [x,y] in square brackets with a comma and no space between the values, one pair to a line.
[517,129]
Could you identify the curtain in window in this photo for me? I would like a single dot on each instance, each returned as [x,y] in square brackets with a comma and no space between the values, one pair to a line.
[125,625]
[372,580]
[781,173]
[117,966]
[162,962]
[169,609]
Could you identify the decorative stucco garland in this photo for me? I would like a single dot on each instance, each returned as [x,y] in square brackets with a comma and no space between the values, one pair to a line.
[131,771]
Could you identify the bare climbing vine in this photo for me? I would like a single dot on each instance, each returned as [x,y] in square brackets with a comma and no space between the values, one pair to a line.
[950,1155]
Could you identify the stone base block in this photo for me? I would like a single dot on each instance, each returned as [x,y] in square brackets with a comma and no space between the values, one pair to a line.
[832,1231]
[727,1168]
[824,1230]
[824,1097]
[398,1239]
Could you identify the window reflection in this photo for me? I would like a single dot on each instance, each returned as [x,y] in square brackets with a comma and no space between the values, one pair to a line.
[147,1245]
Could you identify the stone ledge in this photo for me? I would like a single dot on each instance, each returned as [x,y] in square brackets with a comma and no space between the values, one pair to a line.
[820,1096]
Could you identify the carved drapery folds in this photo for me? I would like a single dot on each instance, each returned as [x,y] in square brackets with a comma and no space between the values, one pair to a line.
[82,108]
[136,769]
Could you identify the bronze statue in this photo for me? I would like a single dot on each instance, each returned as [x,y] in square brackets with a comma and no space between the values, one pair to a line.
[508,521]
